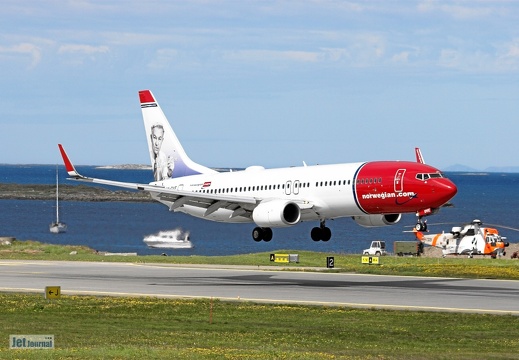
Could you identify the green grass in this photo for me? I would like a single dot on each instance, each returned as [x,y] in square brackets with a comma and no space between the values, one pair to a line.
[136,328]
[390,265]
[149,328]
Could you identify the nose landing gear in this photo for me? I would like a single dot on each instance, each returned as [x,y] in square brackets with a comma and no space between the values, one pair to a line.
[421,225]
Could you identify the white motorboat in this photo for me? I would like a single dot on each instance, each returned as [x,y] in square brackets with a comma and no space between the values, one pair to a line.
[170,239]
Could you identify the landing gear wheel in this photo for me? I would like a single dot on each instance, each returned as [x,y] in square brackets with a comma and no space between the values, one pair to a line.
[257,234]
[421,225]
[321,233]
[326,234]
[315,234]
[267,234]
[264,234]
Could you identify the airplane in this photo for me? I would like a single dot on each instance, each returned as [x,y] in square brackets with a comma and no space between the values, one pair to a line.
[471,239]
[372,193]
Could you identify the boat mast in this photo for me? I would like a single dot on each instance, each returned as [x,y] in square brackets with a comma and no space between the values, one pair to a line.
[57,204]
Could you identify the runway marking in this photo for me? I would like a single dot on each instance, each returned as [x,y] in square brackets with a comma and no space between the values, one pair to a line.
[11,264]
[23,263]
[276,301]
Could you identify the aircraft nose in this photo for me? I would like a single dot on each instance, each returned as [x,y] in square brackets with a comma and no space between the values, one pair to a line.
[447,189]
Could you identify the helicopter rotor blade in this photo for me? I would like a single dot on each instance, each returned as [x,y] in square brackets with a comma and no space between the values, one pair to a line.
[503,226]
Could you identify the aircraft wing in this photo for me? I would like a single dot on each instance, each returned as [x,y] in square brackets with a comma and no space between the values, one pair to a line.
[240,205]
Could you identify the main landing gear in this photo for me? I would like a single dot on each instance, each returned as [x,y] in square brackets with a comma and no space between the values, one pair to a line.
[321,233]
[262,233]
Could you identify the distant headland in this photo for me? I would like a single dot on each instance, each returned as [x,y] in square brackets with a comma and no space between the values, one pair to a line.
[69,193]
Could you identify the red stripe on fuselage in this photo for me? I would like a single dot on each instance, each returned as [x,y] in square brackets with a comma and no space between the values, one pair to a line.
[387,187]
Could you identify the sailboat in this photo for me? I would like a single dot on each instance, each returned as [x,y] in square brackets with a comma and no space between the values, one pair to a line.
[57,226]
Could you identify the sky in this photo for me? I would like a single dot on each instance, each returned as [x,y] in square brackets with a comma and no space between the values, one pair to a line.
[271,83]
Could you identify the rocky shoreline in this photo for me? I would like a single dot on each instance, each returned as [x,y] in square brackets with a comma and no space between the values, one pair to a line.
[69,193]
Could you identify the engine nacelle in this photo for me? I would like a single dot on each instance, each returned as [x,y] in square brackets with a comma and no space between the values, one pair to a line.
[377,220]
[276,213]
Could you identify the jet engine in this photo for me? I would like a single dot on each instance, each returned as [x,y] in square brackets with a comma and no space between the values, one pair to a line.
[377,220]
[276,213]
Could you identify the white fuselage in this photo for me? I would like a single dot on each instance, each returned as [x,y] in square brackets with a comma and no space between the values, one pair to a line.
[328,187]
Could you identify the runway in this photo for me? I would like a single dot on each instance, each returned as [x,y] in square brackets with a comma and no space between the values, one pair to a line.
[257,285]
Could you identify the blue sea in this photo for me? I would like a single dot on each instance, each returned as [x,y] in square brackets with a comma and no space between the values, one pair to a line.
[121,226]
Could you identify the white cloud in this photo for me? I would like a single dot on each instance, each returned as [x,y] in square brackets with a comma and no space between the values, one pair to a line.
[25,50]
[76,54]
[163,59]
[336,54]
[461,9]
[508,57]
[477,61]
[273,55]
[402,57]
[450,58]
[83,49]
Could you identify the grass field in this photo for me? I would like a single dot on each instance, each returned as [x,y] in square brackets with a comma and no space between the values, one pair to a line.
[88,327]
[149,328]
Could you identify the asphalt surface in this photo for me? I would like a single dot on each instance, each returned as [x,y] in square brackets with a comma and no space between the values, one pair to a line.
[262,285]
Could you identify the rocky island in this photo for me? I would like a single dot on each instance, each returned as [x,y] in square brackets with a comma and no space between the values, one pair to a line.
[69,193]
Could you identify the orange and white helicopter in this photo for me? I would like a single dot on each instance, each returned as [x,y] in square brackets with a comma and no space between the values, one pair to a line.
[471,239]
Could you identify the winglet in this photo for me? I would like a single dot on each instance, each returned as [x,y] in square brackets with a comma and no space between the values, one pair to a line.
[68,164]
[419,157]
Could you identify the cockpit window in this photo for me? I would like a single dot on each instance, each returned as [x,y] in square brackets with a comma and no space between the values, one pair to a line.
[426,176]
